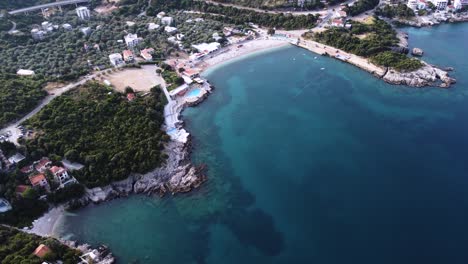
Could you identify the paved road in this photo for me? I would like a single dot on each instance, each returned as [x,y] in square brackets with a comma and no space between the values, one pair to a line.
[13,128]
[37,7]
[296,13]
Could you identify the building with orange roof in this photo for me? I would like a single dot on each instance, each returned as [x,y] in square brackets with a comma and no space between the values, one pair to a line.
[39,180]
[42,250]
[128,56]
[146,54]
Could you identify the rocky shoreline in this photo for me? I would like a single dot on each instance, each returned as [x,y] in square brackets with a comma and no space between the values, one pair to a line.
[428,75]
[178,175]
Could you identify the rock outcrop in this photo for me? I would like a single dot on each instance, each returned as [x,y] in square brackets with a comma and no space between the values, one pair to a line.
[417,52]
[425,76]
[178,175]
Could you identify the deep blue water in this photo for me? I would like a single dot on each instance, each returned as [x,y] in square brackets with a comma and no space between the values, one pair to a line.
[311,166]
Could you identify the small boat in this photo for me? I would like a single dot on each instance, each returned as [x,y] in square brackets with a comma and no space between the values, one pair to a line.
[322,69]
[315,58]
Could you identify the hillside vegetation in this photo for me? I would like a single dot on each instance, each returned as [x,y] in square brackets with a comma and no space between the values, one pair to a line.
[101,129]
[18,96]
[232,15]
[374,40]
[16,247]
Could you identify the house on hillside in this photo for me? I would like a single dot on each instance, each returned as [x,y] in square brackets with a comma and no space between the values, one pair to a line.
[61,175]
[128,56]
[337,22]
[42,165]
[147,54]
[116,59]
[170,30]
[42,251]
[39,180]
[167,21]
[131,40]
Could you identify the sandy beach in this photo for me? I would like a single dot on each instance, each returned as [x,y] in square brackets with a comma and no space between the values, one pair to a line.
[236,51]
[46,224]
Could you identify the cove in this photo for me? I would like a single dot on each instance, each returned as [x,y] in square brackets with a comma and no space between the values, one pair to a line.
[310,166]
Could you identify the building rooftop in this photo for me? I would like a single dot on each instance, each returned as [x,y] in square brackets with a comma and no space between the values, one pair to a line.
[57,169]
[35,179]
[42,250]
[207,47]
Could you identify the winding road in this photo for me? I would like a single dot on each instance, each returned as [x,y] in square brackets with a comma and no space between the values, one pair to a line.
[37,7]
[13,128]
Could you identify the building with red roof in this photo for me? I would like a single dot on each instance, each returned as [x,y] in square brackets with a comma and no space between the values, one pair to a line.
[42,250]
[147,54]
[27,169]
[42,165]
[39,180]
[128,55]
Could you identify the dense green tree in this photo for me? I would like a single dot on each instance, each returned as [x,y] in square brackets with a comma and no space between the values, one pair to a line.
[109,135]
[361,6]
[401,10]
[373,41]
[18,95]
[16,247]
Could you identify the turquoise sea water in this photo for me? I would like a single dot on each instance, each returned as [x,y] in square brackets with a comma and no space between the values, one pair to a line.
[311,166]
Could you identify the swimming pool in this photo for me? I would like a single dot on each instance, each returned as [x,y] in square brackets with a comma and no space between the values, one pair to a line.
[194,93]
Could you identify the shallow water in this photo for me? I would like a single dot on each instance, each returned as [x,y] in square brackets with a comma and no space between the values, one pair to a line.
[311,166]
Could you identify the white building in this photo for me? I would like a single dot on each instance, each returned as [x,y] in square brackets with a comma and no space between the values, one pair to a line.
[167,20]
[422,4]
[413,4]
[60,174]
[207,47]
[216,36]
[440,4]
[170,30]
[116,59]
[67,27]
[23,72]
[45,25]
[153,26]
[83,12]
[459,4]
[86,31]
[131,40]
[37,34]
